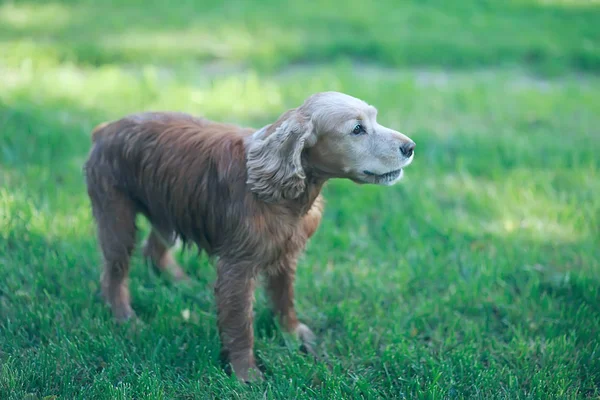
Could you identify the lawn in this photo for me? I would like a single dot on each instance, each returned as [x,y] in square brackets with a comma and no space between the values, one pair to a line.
[478,276]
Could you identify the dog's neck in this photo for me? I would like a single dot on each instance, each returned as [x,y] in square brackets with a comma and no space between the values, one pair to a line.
[314,182]
[304,202]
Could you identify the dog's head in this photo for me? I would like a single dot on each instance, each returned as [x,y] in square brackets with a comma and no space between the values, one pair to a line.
[332,134]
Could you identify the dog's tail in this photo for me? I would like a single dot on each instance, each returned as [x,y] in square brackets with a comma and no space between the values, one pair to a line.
[96,131]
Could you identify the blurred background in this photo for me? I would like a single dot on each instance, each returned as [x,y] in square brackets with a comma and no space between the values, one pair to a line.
[476,276]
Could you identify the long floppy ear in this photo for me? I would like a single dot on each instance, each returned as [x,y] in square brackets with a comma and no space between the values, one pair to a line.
[274,157]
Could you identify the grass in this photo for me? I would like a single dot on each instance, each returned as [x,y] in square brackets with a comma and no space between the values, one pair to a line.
[476,277]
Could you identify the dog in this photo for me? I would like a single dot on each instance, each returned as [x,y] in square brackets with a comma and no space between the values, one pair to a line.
[251,199]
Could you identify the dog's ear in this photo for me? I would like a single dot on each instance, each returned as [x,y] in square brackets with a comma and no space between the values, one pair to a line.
[274,157]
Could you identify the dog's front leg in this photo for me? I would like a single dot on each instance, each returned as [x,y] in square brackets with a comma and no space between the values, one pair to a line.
[280,286]
[234,292]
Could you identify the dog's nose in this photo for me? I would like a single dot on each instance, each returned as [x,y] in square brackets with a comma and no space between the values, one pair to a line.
[407,149]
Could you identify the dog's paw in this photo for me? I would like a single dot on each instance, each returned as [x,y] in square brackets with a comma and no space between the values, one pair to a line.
[123,313]
[307,337]
[304,333]
[247,373]
[254,375]
[135,325]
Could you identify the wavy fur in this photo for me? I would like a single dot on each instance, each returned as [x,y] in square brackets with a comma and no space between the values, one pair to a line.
[249,198]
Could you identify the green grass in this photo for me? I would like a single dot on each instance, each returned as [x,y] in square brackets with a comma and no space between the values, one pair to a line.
[476,277]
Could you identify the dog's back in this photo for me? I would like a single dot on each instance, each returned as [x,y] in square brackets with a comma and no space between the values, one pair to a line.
[131,152]
[147,124]
[159,163]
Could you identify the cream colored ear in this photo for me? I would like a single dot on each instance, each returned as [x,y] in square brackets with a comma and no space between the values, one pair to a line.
[274,162]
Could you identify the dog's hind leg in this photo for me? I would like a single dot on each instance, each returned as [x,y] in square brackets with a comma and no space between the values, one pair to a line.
[115,215]
[157,250]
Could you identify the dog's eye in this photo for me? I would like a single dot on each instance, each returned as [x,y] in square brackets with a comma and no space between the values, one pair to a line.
[358,129]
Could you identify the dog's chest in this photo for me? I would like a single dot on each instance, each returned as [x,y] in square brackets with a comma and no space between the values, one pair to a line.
[290,233]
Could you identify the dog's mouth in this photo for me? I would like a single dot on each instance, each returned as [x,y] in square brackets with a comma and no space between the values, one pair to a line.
[388,177]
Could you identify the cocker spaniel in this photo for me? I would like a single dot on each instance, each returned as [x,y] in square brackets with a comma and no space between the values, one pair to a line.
[249,198]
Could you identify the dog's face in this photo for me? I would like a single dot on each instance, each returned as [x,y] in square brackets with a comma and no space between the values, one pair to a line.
[350,143]
[332,134]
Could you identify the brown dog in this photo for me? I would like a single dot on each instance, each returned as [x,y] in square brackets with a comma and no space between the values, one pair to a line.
[250,199]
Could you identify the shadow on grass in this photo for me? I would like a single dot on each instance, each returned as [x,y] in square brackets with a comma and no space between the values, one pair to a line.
[57,333]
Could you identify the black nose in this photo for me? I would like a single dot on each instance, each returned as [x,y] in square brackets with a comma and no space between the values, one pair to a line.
[407,149]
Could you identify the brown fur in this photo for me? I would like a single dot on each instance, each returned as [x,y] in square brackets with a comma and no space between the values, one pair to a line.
[252,200]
